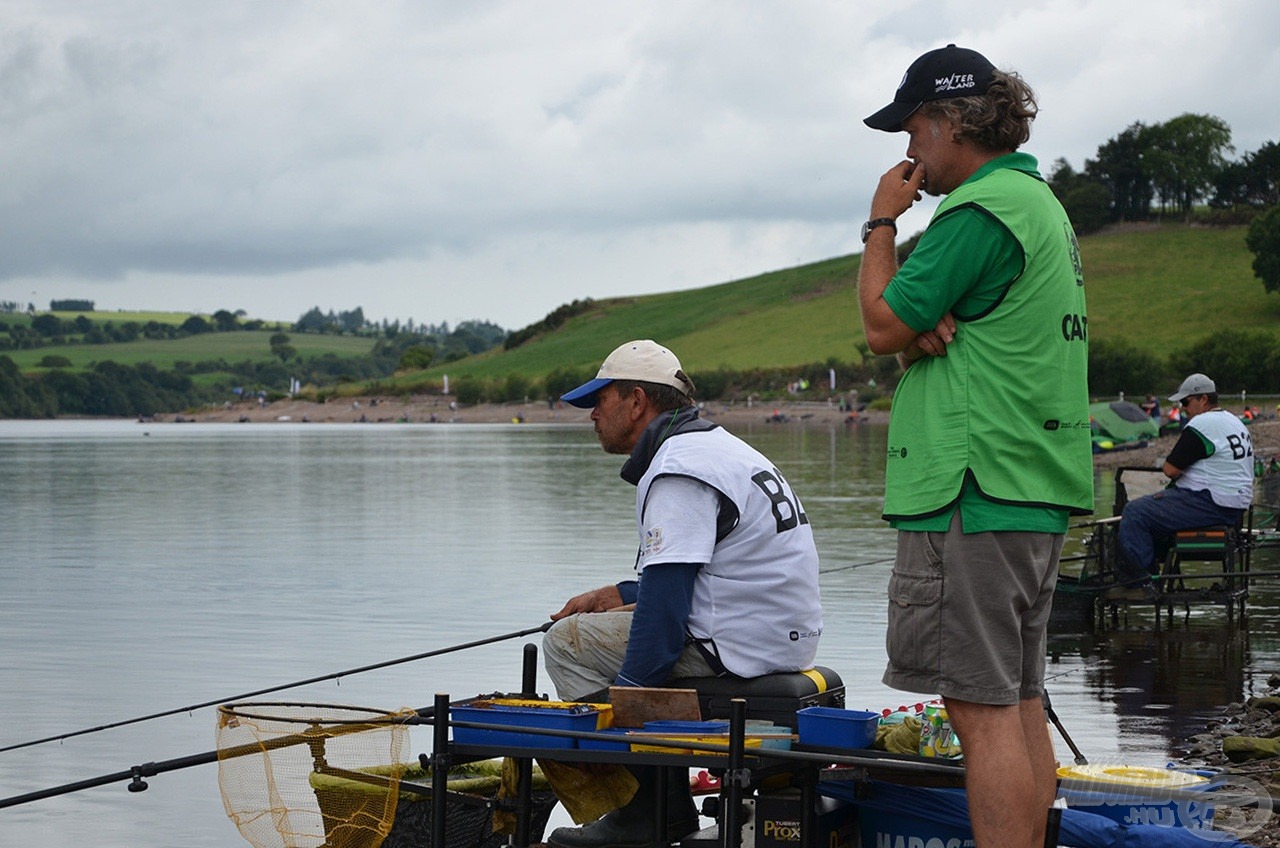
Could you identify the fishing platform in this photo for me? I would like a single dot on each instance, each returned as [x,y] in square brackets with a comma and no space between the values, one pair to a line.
[1208,566]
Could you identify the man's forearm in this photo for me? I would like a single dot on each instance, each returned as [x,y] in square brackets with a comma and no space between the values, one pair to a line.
[884,330]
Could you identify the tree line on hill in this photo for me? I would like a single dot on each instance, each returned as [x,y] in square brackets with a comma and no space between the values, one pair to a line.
[109,388]
[1168,168]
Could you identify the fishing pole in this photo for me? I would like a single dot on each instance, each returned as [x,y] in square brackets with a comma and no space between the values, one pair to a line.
[135,774]
[542,628]
[1053,717]
[856,565]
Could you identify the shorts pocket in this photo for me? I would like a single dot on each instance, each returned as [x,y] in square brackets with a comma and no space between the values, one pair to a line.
[912,637]
[917,578]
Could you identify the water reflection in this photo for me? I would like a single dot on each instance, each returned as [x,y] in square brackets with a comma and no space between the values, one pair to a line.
[142,572]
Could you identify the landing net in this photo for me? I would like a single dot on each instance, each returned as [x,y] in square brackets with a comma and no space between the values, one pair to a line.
[270,753]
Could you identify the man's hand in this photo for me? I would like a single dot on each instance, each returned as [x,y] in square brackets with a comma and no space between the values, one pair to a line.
[930,343]
[597,600]
[898,190]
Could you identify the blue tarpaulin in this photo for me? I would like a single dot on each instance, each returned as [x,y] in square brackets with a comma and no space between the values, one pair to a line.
[948,808]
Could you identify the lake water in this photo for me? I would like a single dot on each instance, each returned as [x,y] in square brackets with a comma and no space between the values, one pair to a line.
[150,567]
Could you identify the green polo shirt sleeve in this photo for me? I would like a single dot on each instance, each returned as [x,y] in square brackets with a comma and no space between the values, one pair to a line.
[963,264]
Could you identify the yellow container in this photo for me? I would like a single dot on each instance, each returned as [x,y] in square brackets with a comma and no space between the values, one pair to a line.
[667,744]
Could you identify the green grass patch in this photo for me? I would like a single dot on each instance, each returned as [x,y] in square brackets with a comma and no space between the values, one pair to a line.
[232,347]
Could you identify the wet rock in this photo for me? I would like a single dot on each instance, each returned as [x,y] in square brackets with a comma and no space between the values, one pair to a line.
[1239,749]
[1270,703]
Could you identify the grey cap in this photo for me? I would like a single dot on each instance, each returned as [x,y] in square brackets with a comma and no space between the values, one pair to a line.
[1196,384]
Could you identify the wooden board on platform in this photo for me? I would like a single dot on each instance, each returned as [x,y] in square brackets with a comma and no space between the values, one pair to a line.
[634,705]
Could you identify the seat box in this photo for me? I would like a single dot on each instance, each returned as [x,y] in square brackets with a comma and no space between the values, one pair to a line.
[773,697]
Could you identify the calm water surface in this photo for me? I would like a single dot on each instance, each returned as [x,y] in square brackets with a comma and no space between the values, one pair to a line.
[145,568]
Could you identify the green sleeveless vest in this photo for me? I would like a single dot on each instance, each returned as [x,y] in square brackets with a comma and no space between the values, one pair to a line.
[1009,403]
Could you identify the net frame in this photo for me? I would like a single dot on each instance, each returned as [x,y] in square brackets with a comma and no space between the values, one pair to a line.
[267,752]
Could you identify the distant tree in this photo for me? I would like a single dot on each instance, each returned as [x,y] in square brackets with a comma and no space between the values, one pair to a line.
[1262,175]
[82,324]
[1230,186]
[1238,360]
[516,387]
[54,361]
[1263,239]
[47,325]
[470,390]
[23,397]
[156,330]
[195,325]
[311,321]
[1085,199]
[1120,167]
[71,305]
[1184,155]
[415,358]
[1116,367]
[352,321]
[225,321]
[280,347]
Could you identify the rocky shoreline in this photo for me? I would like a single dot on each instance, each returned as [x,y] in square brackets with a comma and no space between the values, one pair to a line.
[1244,744]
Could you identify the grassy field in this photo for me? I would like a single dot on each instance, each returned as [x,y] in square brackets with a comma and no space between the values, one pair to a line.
[1158,287]
[233,347]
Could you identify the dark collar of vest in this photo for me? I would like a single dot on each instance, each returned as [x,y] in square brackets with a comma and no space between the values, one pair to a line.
[660,429]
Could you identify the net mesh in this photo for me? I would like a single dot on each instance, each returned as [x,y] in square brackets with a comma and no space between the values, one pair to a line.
[267,757]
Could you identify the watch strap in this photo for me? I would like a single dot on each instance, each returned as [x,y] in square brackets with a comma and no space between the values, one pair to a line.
[877,222]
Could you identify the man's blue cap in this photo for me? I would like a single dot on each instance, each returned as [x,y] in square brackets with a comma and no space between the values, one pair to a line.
[643,360]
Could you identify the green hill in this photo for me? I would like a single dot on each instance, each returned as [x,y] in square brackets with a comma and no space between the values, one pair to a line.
[1157,287]
[1160,288]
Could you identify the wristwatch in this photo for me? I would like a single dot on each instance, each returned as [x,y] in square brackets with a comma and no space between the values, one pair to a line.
[877,222]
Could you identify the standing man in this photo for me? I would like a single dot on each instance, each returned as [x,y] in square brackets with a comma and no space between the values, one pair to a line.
[989,448]
[727,570]
[1211,467]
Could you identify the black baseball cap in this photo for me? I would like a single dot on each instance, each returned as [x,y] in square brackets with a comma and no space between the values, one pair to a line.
[947,72]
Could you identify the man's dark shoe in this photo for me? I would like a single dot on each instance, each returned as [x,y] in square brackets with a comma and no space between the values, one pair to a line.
[617,829]
[631,826]
[1145,593]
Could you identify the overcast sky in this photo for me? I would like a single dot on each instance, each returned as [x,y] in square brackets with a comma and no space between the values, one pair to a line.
[487,159]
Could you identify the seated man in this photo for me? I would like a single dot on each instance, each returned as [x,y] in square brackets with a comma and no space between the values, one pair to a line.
[1211,468]
[727,568]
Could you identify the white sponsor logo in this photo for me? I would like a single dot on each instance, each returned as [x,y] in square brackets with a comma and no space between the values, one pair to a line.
[954,82]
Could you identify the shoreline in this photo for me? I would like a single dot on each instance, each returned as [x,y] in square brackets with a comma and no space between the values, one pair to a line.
[422,409]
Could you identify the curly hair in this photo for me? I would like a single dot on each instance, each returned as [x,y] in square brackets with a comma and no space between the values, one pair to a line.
[998,120]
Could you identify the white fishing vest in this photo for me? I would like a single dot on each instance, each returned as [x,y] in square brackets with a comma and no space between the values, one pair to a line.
[1227,473]
[757,602]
